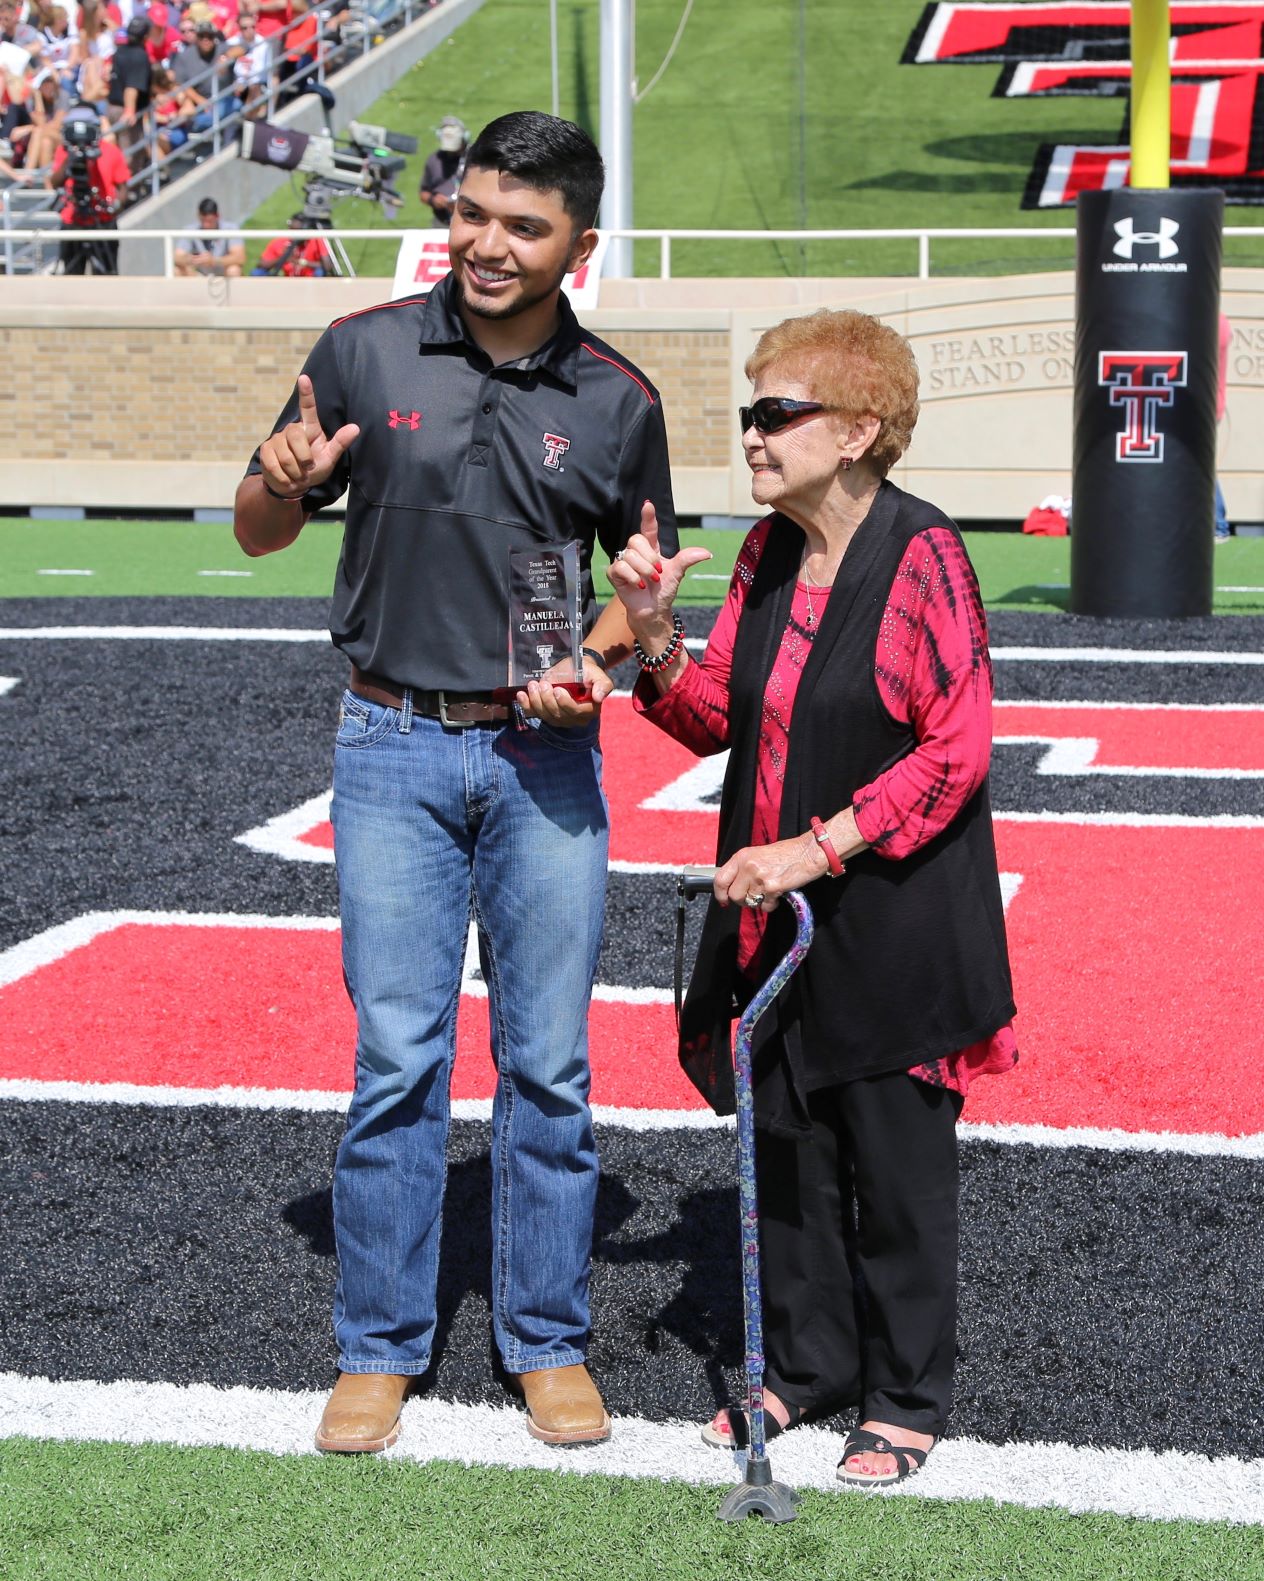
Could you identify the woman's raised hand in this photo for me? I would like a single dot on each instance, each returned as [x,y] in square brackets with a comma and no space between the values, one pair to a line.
[646,583]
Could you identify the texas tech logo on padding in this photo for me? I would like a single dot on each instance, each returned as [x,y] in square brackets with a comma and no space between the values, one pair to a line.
[1073,49]
[1141,382]
[555,447]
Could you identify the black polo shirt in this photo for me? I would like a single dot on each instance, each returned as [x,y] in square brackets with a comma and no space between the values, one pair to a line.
[457,463]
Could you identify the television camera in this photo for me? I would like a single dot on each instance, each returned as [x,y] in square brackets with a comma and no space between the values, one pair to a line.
[359,165]
[81,136]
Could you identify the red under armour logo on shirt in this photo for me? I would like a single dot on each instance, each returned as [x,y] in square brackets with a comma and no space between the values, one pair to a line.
[405,420]
[555,447]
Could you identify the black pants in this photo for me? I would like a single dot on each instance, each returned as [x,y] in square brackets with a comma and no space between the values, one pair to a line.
[859,1245]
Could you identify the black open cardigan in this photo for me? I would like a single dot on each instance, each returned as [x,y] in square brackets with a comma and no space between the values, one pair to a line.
[909,960]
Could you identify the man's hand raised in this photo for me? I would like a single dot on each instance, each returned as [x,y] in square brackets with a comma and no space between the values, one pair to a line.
[301,456]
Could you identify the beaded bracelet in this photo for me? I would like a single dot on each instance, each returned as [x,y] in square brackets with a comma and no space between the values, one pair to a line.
[652,663]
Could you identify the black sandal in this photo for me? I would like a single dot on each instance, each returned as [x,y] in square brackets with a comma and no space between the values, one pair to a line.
[738,1435]
[861,1442]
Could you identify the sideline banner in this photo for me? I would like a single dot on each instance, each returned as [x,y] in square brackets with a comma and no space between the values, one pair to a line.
[422,260]
[1146,349]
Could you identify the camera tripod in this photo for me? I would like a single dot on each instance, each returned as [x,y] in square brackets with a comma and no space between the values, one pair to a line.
[317,215]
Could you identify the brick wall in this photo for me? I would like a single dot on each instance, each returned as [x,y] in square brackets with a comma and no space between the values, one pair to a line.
[176,393]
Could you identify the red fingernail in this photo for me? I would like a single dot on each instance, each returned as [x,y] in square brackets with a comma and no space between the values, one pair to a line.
[658,565]
[656,577]
[640,584]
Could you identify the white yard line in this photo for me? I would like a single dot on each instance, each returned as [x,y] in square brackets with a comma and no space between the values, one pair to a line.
[1195,1144]
[1126,1482]
[696,644]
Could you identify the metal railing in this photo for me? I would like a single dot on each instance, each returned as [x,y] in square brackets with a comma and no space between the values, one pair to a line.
[665,238]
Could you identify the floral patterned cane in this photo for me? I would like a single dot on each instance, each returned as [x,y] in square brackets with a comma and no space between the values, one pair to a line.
[758,1494]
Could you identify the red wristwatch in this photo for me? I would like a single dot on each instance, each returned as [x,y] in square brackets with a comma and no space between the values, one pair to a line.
[821,835]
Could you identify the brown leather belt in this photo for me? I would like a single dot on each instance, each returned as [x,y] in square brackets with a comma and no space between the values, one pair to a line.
[454,708]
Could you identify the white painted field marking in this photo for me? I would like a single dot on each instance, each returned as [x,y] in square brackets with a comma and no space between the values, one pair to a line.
[694,644]
[1191,1143]
[1073,756]
[1134,820]
[1122,656]
[53,944]
[41,949]
[1129,1482]
[161,634]
[225,573]
[281,836]
[999,704]
[1088,655]
[62,571]
[1232,587]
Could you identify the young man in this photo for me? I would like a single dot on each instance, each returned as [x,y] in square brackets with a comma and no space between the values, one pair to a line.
[474,421]
[207,250]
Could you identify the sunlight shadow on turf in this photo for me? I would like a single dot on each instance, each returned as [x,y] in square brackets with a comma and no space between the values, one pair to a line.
[1033,593]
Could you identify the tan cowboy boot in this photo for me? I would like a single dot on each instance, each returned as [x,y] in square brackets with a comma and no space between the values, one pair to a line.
[363,1413]
[563,1406]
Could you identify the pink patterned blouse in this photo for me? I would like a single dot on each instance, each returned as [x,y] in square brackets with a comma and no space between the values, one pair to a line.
[932,669]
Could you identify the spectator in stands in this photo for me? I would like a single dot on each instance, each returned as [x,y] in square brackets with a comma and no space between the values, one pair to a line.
[251,56]
[15,31]
[171,111]
[163,40]
[9,171]
[206,250]
[207,91]
[93,52]
[442,174]
[308,40]
[274,16]
[47,108]
[293,258]
[130,77]
[59,39]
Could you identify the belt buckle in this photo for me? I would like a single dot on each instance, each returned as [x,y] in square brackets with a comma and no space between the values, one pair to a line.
[446,718]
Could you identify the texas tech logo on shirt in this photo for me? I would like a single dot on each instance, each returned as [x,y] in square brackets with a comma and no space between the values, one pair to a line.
[1141,382]
[410,420]
[1070,48]
[555,447]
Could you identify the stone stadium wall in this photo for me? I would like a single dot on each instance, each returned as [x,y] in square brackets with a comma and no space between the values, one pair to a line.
[134,394]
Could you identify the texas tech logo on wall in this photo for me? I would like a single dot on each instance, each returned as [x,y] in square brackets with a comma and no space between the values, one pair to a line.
[1068,50]
[1142,383]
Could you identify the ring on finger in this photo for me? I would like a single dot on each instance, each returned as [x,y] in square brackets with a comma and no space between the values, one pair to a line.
[619,553]
[754,901]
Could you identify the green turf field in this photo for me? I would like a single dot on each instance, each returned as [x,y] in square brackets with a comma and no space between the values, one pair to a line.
[191,559]
[771,115]
[166,1514]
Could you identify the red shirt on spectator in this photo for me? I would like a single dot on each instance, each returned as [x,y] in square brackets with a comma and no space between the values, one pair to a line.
[306,258]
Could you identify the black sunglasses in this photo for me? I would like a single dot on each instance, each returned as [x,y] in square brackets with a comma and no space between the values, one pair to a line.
[772,413]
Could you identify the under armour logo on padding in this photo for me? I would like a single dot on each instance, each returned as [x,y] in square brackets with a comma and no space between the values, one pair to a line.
[405,420]
[1130,237]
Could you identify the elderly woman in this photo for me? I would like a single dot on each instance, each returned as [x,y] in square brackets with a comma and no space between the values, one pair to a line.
[848,675]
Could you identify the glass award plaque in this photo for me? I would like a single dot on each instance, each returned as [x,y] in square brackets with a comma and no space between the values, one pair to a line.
[545,637]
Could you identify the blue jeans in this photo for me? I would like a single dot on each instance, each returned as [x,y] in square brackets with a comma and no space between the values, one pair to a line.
[433,825]
[1222,515]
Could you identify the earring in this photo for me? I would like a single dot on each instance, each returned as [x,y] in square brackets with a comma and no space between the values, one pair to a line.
[845,463]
